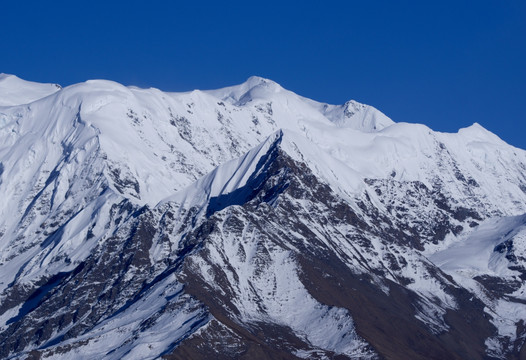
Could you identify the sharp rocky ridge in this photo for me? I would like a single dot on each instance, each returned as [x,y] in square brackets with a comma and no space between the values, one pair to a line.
[251,222]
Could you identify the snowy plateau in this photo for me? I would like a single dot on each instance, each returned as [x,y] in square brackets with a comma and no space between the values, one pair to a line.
[252,223]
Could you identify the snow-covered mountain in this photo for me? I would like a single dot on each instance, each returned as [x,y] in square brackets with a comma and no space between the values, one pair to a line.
[250,222]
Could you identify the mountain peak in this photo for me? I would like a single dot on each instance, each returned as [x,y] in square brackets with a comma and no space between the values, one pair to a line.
[477,132]
[357,116]
[4,76]
[255,87]
[16,91]
[255,80]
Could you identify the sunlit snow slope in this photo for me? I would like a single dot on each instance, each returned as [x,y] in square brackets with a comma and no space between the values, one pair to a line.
[16,91]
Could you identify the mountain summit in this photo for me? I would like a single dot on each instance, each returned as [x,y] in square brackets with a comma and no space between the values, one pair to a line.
[251,222]
[15,91]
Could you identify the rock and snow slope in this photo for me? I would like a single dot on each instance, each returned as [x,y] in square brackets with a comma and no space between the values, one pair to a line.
[250,221]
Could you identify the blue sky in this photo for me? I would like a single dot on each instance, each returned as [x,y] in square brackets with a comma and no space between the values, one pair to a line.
[446,64]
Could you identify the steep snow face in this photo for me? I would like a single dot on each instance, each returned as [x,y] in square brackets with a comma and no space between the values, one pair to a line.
[268,290]
[490,262]
[15,91]
[226,179]
[172,314]
[479,253]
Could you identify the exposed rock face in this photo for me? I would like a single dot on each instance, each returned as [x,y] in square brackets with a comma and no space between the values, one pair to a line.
[249,222]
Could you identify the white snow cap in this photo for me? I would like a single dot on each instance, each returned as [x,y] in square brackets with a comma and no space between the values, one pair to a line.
[15,91]
[253,89]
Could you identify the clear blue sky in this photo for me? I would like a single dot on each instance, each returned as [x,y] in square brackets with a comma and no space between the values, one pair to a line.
[446,64]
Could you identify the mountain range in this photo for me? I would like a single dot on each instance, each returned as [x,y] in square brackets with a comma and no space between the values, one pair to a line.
[252,223]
